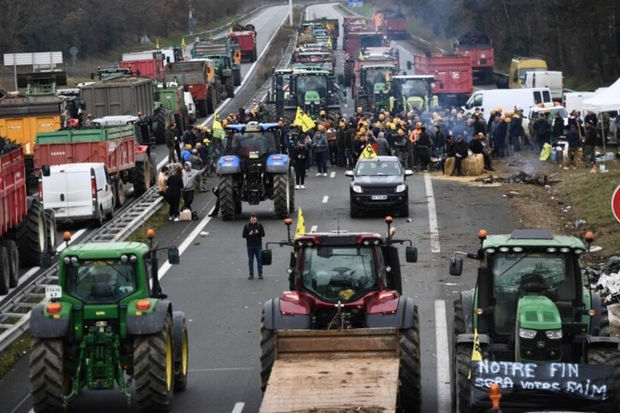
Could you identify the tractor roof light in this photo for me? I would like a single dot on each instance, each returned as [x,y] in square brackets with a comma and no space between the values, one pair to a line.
[495,394]
[504,249]
[552,249]
[66,236]
[589,237]
[124,259]
[490,250]
[133,259]
[53,308]
[67,260]
[143,305]
[150,233]
[564,250]
[74,260]
[578,251]
[482,234]
[517,249]
[288,222]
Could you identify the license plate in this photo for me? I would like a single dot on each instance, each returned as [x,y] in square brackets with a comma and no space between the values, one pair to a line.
[53,291]
[378,197]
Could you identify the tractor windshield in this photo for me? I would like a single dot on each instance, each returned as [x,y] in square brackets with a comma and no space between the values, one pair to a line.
[371,40]
[527,273]
[378,75]
[339,273]
[415,88]
[308,85]
[101,281]
[253,145]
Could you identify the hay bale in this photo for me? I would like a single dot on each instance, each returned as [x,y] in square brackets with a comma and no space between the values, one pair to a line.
[473,165]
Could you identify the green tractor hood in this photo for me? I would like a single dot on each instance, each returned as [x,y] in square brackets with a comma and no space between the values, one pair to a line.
[539,329]
[379,88]
[312,96]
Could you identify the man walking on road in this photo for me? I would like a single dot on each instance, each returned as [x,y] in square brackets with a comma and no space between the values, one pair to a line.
[253,232]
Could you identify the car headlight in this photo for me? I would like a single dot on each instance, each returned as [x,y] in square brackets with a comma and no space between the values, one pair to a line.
[401,188]
[357,189]
[554,334]
[527,333]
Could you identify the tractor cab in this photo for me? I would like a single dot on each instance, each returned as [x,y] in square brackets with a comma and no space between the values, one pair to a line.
[413,92]
[376,84]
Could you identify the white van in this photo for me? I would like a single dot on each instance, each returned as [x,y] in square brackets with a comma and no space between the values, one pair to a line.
[552,79]
[77,192]
[574,100]
[507,99]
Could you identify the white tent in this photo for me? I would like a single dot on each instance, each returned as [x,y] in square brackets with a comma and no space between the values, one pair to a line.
[606,100]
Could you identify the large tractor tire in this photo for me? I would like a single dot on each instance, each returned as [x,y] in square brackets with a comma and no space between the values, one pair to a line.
[50,229]
[13,261]
[603,327]
[291,191]
[608,356]
[227,198]
[180,344]
[462,360]
[49,382]
[4,270]
[153,369]
[409,375]
[267,352]
[281,195]
[142,175]
[119,191]
[230,87]
[459,317]
[31,239]
[159,125]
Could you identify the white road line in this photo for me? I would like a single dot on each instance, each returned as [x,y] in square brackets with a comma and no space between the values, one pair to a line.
[444,394]
[332,174]
[325,199]
[313,228]
[432,214]
[238,407]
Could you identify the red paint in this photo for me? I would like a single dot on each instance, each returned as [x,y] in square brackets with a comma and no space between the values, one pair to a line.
[153,68]
[13,204]
[453,74]
[615,203]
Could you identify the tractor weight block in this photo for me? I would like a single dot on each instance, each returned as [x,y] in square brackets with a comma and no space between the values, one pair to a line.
[456,266]
[265,256]
[411,254]
[173,255]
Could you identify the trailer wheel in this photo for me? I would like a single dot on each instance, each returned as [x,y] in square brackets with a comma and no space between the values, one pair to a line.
[281,195]
[227,198]
[13,253]
[50,229]
[31,239]
[267,352]
[5,271]
[141,177]
[609,356]
[49,382]
[153,369]
[409,387]
[159,125]
[119,190]
[180,344]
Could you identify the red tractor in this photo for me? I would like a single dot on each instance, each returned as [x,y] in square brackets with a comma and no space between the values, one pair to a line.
[344,303]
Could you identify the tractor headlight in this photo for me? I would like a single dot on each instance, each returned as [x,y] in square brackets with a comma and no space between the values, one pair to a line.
[554,334]
[527,333]
[401,188]
[357,189]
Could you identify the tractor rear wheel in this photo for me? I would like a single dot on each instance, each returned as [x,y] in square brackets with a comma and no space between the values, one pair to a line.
[227,198]
[267,352]
[603,327]
[159,125]
[153,369]
[459,317]
[49,382]
[13,261]
[409,376]
[31,238]
[281,195]
[610,357]
[462,362]
[50,229]
[180,344]
[5,272]
[141,177]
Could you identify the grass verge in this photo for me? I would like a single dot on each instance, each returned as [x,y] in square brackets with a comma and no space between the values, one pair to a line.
[13,353]
[155,222]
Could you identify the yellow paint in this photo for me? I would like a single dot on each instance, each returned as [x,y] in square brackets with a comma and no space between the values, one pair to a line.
[23,130]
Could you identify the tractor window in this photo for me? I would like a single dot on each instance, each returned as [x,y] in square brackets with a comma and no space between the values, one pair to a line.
[519,274]
[414,87]
[339,273]
[371,41]
[253,145]
[101,281]
[374,76]
[311,84]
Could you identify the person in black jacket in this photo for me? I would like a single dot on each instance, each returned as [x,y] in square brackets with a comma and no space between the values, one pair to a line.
[558,126]
[423,147]
[173,193]
[253,232]
[477,147]
[300,155]
[460,153]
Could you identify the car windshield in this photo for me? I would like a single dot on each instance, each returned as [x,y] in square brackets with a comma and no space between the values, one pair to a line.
[101,281]
[376,168]
[415,87]
[339,273]
[253,145]
[311,83]
[519,274]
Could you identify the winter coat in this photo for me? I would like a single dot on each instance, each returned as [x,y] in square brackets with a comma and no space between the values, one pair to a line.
[175,186]
[558,127]
[591,137]
[189,178]
[460,148]
[383,147]
[300,154]
[573,139]
[476,146]
[319,143]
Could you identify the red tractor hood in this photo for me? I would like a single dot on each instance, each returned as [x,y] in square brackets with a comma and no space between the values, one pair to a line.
[304,303]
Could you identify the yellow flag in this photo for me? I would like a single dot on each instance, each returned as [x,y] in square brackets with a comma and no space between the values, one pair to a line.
[218,130]
[303,120]
[368,152]
[329,42]
[182,42]
[361,56]
[301,224]
[475,351]
[157,43]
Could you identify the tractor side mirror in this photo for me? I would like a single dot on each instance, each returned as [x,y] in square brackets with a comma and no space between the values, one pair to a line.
[349,174]
[265,256]
[45,170]
[173,255]
[411,254]
[456,265]
[408,64]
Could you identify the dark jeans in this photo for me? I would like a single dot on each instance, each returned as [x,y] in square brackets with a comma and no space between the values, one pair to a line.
[300,172]
[173,201]
[321,162]
[188,198]
[254,251]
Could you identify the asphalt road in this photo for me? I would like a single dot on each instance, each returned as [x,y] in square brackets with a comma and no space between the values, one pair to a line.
[223,307]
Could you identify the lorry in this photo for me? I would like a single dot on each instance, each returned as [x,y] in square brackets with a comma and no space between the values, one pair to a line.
[198,77]
[453,76]
[170,96]
[392,22]
[519,66]
[27,231]
[552,79]
[343,338]
[372,81]
[533,326]
[226,68]
[245,37]
[148,64]
[108,324]
[126,161]
[507,99]
[479,48]
[324,27]
[354,44]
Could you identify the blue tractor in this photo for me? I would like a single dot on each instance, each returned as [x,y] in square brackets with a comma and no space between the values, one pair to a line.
[254,168]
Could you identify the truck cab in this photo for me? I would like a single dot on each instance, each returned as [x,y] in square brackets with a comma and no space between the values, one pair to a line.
[519,66]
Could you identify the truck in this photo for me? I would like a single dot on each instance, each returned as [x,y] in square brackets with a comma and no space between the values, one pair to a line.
[479,48]
[533,313]
[552,79]
[392,22]
[324,28]
[245,37]
[27,231]
[343,338]
[355,43]
[125,159]
[372,81]
[221,53]
[519,66]
[148,64]
[198,77]
[453,76]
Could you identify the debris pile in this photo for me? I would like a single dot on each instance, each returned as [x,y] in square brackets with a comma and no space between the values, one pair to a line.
[605,279]
[7,146]
[520,178]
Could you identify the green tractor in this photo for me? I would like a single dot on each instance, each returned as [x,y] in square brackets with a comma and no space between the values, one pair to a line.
[170,105]
[413,92]
[533,327]
[107,322]
[372,87]
[223,55]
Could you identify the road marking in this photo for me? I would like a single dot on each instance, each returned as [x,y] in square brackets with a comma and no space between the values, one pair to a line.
[332,174]
[325,199]
[432,214]
[444,394]
[238,407]
[313,229]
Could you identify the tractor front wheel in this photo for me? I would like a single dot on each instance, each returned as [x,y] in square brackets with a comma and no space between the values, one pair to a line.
[281,195]
[13,261]
[227,198]
[180,343]
[49,382]
[409,376]
[153,369]
[267,352]
[608,356]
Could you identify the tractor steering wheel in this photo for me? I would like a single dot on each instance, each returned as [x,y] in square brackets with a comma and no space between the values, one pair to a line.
[341,270]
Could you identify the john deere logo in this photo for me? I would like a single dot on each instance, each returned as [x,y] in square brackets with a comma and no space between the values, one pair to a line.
[541,344]
[100,313]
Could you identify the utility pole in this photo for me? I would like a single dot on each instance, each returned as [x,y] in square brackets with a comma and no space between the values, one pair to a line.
[290,13]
